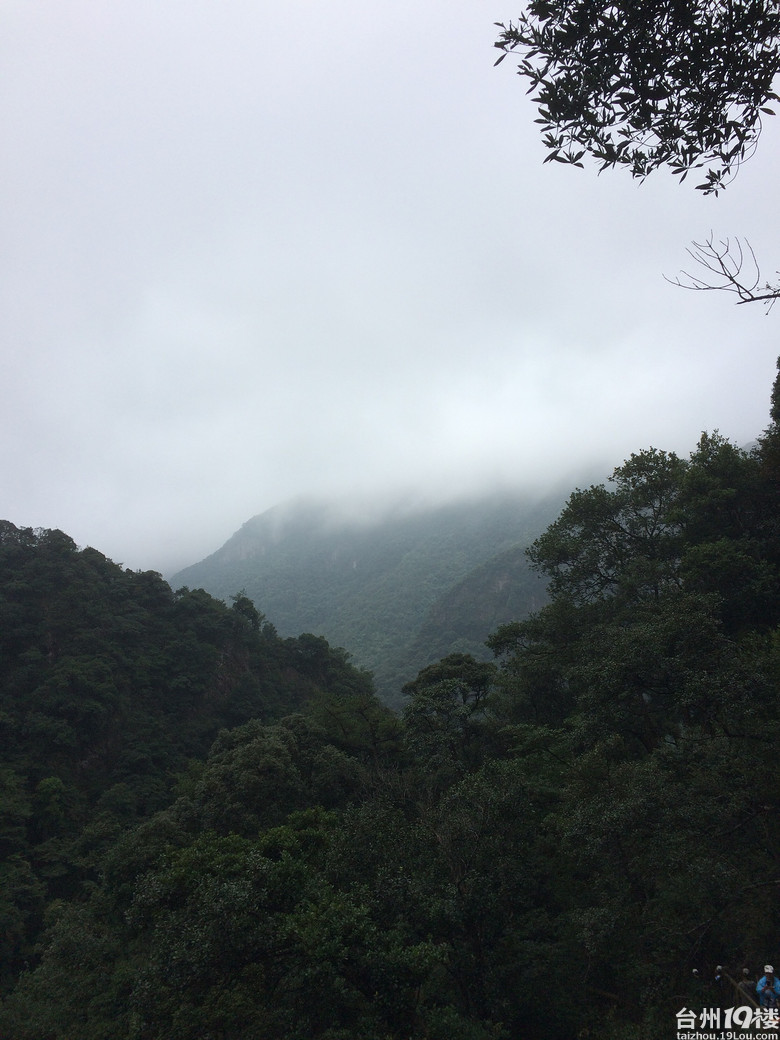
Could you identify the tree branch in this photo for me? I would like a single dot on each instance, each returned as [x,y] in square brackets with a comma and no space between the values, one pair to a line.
[730,267]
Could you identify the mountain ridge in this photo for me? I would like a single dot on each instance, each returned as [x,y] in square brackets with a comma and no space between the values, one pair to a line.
[384,586]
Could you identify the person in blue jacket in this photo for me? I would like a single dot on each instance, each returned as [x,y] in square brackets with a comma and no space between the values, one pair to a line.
[768,988]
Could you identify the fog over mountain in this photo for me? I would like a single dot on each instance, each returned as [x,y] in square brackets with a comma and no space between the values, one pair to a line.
[398,590]
[277,250]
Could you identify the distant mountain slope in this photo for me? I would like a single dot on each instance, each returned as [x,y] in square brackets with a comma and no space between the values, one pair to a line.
[397,593]
[502,589]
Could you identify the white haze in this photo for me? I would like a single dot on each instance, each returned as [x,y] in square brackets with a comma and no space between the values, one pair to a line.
[254,251]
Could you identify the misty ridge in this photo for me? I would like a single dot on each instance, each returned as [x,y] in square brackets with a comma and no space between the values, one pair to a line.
[398,584]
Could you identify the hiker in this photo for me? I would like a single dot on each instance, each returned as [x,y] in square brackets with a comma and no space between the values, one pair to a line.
[747,985]
[768,988]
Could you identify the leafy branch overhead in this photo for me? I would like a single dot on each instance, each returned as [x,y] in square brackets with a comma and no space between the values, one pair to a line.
[677,83]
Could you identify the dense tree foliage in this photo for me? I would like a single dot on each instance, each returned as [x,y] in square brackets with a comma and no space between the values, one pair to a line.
[210,833]
[110,684]
[661,83]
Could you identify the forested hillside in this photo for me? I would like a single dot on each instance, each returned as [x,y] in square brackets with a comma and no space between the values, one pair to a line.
[111,686]
[544,846]
[398,591]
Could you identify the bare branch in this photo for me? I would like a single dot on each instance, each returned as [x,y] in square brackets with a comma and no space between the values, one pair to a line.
[729,266]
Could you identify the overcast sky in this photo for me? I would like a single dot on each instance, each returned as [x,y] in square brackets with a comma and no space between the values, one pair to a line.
[253,250]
